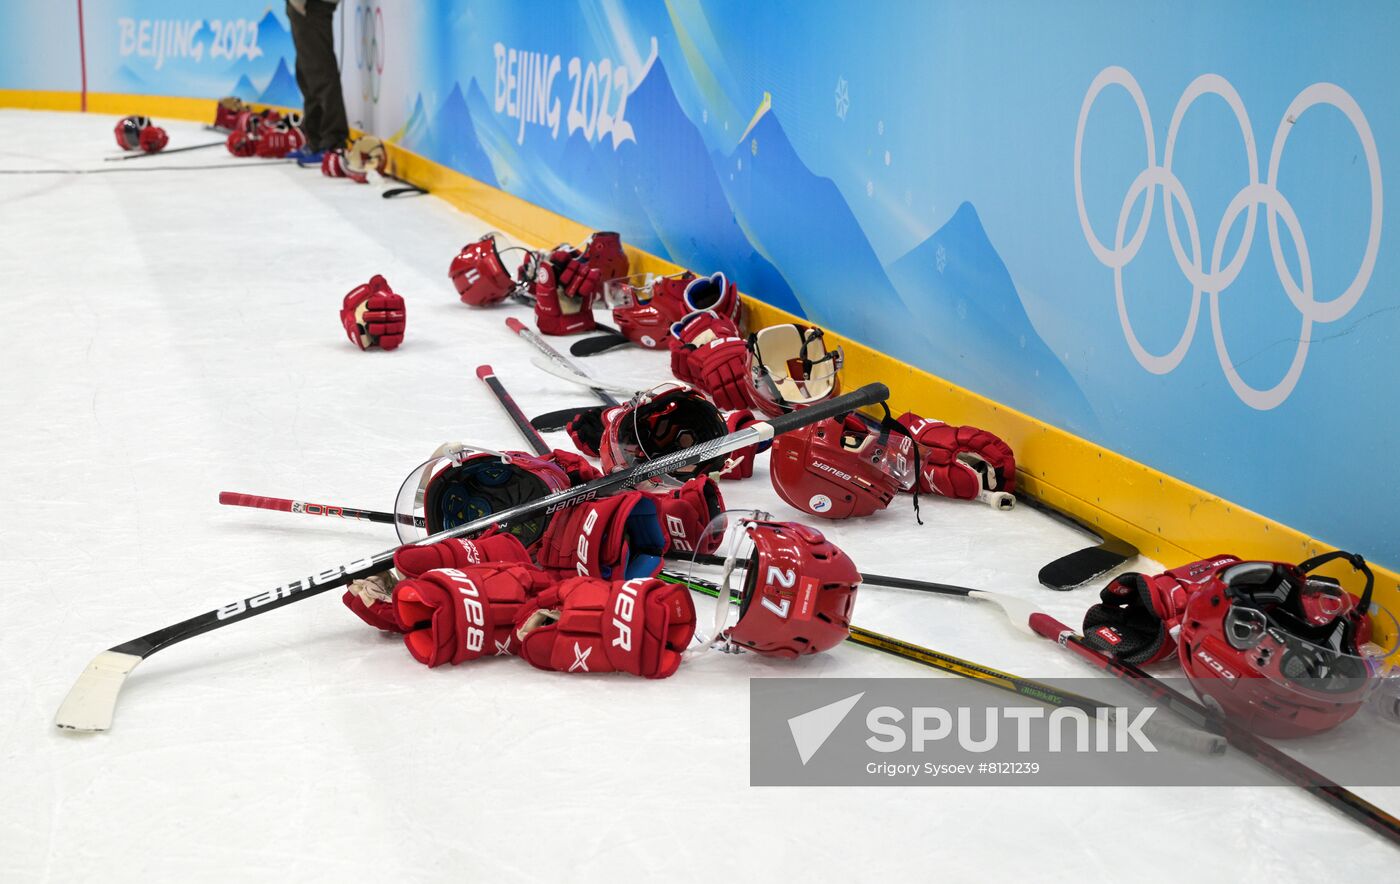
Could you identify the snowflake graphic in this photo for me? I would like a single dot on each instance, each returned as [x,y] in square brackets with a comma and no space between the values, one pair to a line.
[942,256]
[753,146]
[880,127]
[843,97]
[887,158]
[705,115]
[739,163]
[869,188]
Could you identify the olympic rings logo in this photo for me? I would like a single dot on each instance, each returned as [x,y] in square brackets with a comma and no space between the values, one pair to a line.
[369,49]
[1254,194]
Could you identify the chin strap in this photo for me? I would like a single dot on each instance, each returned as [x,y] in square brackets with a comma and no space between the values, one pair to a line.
[1353,559]
[889,425]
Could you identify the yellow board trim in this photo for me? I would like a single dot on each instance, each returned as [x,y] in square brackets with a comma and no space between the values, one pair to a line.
[1168,519]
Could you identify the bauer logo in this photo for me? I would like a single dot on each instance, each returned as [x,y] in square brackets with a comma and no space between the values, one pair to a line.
[1091,731]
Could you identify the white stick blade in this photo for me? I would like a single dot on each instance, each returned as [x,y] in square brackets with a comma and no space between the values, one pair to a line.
[559,371]
[91,703]
[1018,611]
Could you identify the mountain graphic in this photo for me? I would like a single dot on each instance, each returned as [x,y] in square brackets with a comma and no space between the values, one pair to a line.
[245,89]
[274,45]
[968,306]
[283,88]
[451,139]
[673,183]
[801,223]
[414,133]
[557,175]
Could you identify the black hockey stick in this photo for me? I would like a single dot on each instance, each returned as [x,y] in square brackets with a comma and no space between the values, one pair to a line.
[1081,566]
[1185,738]
[91,703]
[517,417]
[160,153]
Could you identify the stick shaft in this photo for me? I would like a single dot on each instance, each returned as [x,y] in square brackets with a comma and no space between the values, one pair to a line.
[161,153]
[282,504]
[1240,739]
[517,417]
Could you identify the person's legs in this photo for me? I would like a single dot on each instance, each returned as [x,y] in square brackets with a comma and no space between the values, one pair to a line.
[310,106]
[317,52]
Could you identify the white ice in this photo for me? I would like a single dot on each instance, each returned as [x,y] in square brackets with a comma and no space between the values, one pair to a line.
[173,334]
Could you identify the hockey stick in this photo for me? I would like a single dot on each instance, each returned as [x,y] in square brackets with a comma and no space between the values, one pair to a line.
[602,343]
[1026,618]
[161,153]
[284,505]
[1064,573]
[554,355]
[1081,566]
[1184,738]
[517,417]
[91,703]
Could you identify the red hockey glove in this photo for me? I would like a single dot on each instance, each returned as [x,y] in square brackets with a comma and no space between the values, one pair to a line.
[586,430]
[226,114]
[1138,617]
[685,513]
[414,561]
[589,625]
[279,139]
[960,462]
[713,293]
[618,537]
[604,253]
[373,315]
[370,599]
[242,143]
[564,288]
[574,466]
[153,139]
[716,358]
[454,615]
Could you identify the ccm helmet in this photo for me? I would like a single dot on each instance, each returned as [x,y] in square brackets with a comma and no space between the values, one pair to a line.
[1282,652]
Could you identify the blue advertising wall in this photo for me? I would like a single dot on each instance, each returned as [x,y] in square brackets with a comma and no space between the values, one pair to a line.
[1160,227]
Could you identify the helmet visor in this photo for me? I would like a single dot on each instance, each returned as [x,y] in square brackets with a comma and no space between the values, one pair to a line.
[629,291]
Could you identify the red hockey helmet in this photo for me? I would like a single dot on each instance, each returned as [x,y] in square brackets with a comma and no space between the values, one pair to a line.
[795,588]
[666,419]
[461,484]
[791,368]
[837,469]
[128,131]
[645,305]
[479,273]
[1279,652]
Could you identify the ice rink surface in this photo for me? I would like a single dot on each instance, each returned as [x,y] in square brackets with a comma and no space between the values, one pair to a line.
[174,334]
